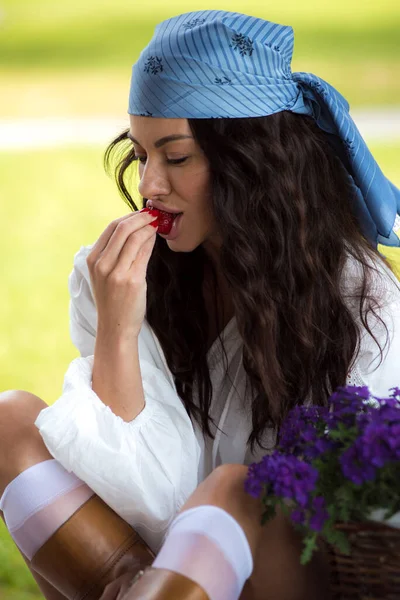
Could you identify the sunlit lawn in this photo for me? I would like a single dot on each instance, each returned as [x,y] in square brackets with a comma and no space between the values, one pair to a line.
[53,202]
[75,57]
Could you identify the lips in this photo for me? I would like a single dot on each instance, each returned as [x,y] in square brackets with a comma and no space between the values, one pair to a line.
[165,219]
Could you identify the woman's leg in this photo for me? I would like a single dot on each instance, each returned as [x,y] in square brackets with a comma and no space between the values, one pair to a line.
[276,546]
[21,448]
[70,536]
[21,443]
[48,591]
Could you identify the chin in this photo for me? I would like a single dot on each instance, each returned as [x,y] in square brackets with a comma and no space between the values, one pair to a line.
[179,246]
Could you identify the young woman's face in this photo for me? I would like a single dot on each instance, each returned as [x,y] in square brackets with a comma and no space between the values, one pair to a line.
[175,174]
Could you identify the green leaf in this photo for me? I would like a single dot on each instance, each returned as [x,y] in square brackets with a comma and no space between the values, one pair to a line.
[268,514]
[310,544]
[338,539]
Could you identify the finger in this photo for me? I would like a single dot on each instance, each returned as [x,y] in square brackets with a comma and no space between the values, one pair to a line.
[111,591]
[134,247]
[110,260]
[124,590]
[108,257]
[138,266]
[107,234]
[105,237]
[118,588]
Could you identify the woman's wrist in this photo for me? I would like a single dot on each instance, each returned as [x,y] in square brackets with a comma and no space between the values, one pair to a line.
[116,337]
[117,378]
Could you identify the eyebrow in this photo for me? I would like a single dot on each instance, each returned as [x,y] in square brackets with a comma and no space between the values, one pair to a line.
[163,140]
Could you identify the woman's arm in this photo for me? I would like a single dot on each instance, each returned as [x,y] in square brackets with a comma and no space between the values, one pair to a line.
[145,469]
[117,266]
[117,378]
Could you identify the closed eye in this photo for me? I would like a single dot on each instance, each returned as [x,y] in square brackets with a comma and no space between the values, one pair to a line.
[170,161]
[177,161]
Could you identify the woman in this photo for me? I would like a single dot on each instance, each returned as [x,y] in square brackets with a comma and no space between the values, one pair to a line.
[199,332]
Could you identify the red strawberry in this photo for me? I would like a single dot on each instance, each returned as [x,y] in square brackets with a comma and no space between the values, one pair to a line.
[165,219]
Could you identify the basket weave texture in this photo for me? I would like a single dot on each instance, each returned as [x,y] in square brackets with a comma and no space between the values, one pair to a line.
[372,570]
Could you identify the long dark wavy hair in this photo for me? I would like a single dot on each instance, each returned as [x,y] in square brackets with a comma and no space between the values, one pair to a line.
[282,204]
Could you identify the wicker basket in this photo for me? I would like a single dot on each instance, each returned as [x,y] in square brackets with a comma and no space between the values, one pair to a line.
[372,570]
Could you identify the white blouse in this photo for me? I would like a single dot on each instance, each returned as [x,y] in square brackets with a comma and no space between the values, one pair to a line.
[146,469]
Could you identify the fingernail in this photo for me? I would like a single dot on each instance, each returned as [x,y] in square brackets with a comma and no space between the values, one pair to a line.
[154,223]
[153,212]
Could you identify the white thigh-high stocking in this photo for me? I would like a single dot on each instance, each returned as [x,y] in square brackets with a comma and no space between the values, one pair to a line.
[38,501]
[208,545]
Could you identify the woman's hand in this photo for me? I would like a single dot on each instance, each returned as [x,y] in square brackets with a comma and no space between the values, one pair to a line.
[117,589]
[124,576]
[117,266]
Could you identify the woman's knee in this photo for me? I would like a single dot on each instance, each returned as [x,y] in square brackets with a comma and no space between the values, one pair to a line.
[20,405]
[224,488]
[21,445]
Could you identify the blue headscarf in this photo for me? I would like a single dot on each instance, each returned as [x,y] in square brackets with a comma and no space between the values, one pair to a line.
[218,64]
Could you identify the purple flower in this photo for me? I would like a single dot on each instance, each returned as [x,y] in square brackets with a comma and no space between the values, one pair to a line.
[388,411]
[253,483]
[352,391]
[346,403]
[375,448]
[354,441]
[298,516]
[393,440]
[286,476]
[321,446]
[353,465]
[396,392]
[299,433]
[319,514]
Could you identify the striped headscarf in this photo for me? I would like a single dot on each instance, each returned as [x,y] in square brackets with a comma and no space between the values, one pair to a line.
[218,64]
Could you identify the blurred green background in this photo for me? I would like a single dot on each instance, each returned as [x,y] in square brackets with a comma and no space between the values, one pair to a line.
[73,59]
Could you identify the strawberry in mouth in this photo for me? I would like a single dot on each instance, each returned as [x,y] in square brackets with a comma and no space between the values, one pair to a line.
[165,219]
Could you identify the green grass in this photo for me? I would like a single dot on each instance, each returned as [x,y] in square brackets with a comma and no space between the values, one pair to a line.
[352,44]
[16,582]
[54,201]
[118,37]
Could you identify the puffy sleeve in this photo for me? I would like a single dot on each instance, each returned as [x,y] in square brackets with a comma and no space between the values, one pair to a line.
[380,373]
[144,469]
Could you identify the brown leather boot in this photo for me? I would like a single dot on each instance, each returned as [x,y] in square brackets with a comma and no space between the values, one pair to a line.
[84,554]
[162,584]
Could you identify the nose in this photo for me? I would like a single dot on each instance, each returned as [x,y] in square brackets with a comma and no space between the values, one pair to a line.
[154,181]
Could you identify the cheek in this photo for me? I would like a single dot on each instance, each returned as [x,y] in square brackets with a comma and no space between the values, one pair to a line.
[200,185]
[191,187]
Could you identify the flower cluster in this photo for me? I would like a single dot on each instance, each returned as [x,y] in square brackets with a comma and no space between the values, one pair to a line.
[333,463]
[285,476]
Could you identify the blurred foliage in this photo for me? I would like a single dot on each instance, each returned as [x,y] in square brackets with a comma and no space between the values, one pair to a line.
[16,582]
[56,200]
[352,44]
[100,40]
[61,202]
